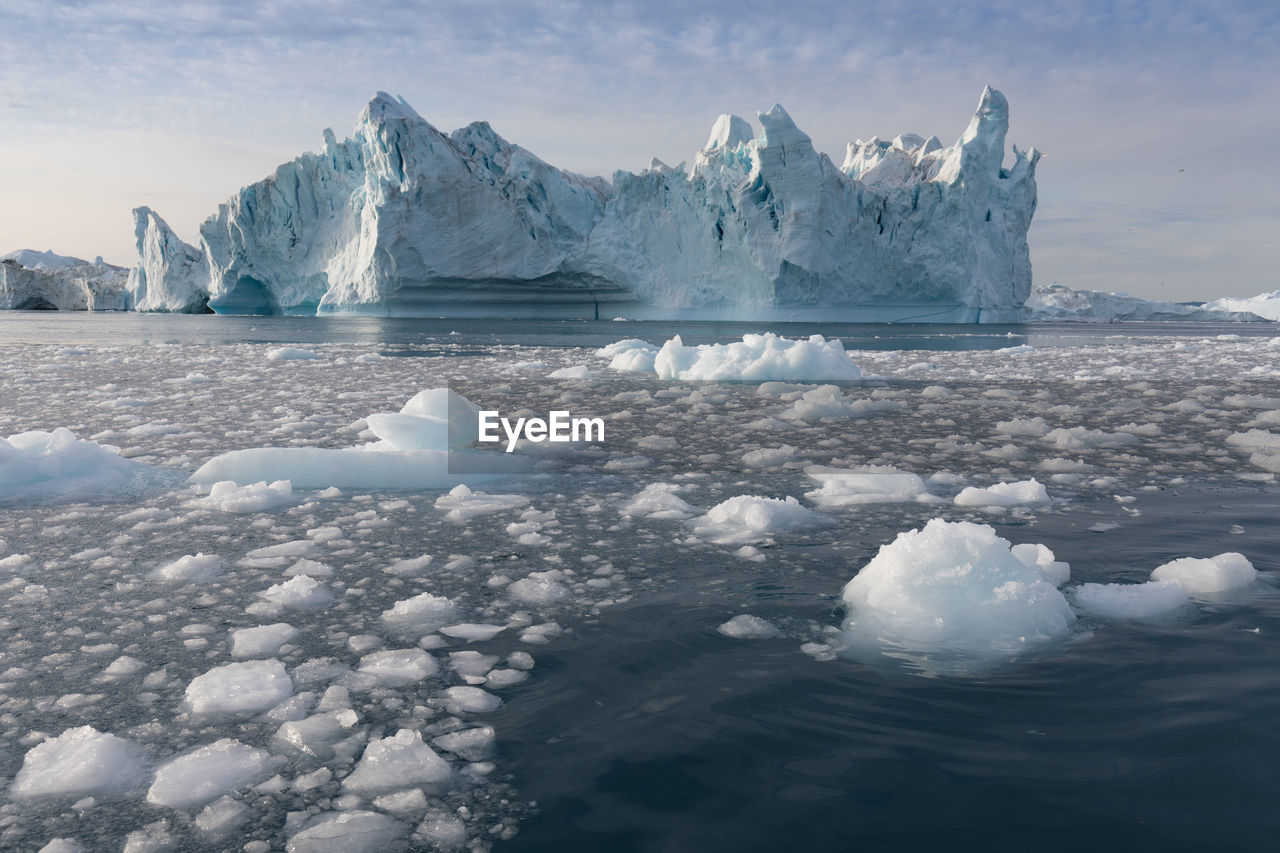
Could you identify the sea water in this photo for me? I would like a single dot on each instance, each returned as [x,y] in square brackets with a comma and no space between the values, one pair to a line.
[627,720]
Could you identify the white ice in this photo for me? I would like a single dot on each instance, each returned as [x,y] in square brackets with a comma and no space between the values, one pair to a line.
[955,588]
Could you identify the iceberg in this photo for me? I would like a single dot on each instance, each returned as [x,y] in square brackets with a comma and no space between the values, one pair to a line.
[45,281]
[1054,303]
[1265,305]
[403,219]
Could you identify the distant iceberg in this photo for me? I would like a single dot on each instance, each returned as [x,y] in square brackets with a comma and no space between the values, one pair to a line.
[402,219]
[45,281]
[1056,303]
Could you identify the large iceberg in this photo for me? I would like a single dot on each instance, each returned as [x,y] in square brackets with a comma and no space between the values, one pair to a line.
[403,219]
[35,281]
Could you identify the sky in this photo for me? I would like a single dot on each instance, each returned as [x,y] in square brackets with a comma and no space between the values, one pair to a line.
[1157,121]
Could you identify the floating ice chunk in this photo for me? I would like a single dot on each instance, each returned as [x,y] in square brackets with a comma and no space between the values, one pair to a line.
[826,401]
[467,700]
[291,354]
[261,642]
[199,776]
[298,548]
[747,627]
[155,837]
[630,356]
[221,816]
[397,762]
[1256,440]
[435,419]
[628,345]
[443,831]
[315,735]
[580,371]
[193,568]
[1209,575]
[1080,438]
[868,484]
[40,464]
[300,592]
[752,518]
[473,632]
[226,496]
[367,467]
[658,500]
[955,589]
[1039,556]
[539,588]
[63,845]
[469,744]
[399,667]
[757,358]
[769,457]
[422,614]
[1021,493]
[471,662]
[462,504]
[1130,600]
[1035,427]
[409,568]
[76,763]
[239,688]
[350,832]
[122,667]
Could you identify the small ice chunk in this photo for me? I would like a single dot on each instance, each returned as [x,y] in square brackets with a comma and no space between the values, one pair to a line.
[468,744]
[423,614]
[198,776]
[744,626]
[221,816]
[291,354]
[658,500]
[467,700]
[356,831]
[472,632]
[78,762]
[1209,575]
[751,518]
[226,496]
[539,588]
[315,735]
[1130,600]
[239,688]
[580,371]
[867,484]
[301,592]
[462,504]
[193,568]
[399,667]
[953,588]
[1021,493]
[400,761]
[261,642]
[757,358]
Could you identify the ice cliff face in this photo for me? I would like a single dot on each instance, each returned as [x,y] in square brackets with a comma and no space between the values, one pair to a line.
[403,219]
[31,280]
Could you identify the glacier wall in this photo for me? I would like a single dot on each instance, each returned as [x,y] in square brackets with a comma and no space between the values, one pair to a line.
[403,219]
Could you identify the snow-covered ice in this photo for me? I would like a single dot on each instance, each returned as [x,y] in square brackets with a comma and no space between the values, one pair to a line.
[1208,575]
[952,589]
[78,762]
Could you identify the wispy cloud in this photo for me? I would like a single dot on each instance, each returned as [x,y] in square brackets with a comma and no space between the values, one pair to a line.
[191,100]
